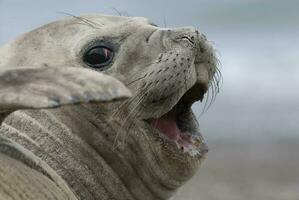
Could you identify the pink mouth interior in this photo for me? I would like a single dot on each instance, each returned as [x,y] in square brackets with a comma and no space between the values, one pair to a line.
[169,127]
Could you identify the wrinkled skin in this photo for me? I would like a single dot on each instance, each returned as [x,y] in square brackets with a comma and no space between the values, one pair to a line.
[110,150]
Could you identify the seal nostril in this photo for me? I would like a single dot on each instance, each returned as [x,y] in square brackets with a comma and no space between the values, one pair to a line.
[189,39]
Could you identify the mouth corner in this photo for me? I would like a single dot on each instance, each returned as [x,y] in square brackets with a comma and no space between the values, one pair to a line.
[179,125]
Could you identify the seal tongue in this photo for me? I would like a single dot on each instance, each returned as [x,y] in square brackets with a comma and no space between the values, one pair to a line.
[169,127]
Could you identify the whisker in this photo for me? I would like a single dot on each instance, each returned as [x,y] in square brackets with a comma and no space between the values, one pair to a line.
[164,21]
[126,14]
[213,95]
[86,21]
[142,77]
[214,88]
[136,100]
[134,81]
[117,11]
[207,96]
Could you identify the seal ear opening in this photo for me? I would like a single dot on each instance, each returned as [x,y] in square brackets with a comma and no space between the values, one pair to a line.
[37,88]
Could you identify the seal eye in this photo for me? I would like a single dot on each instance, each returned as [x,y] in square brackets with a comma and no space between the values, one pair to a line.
[98,56]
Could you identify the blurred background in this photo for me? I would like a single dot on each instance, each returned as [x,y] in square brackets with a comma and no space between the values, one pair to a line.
[252,128]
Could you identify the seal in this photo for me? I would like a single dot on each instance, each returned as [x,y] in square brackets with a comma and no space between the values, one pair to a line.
[143,147]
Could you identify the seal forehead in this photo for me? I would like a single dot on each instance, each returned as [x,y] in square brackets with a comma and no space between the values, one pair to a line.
[107,20]
[67,38]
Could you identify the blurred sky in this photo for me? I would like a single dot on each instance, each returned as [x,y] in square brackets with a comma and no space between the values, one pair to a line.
[257,43]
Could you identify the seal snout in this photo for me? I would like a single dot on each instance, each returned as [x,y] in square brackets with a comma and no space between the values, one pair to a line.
[191,38]
[185,69]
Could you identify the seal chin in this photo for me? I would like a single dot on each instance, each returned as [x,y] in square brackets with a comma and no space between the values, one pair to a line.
[179,125]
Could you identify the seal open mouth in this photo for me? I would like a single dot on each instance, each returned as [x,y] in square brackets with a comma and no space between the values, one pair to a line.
[179,124]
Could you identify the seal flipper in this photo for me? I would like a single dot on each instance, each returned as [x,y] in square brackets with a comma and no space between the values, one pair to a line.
[36,88]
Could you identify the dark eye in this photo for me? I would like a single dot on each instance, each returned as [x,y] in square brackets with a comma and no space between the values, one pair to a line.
[98,56]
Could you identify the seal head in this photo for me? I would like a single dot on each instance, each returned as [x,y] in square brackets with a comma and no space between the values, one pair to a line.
[151,140]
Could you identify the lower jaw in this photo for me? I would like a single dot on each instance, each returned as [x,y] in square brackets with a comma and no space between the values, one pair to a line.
[182,142]
[187,140]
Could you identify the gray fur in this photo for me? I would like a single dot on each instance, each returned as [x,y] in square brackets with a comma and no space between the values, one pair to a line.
[25,176]
[104,150]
